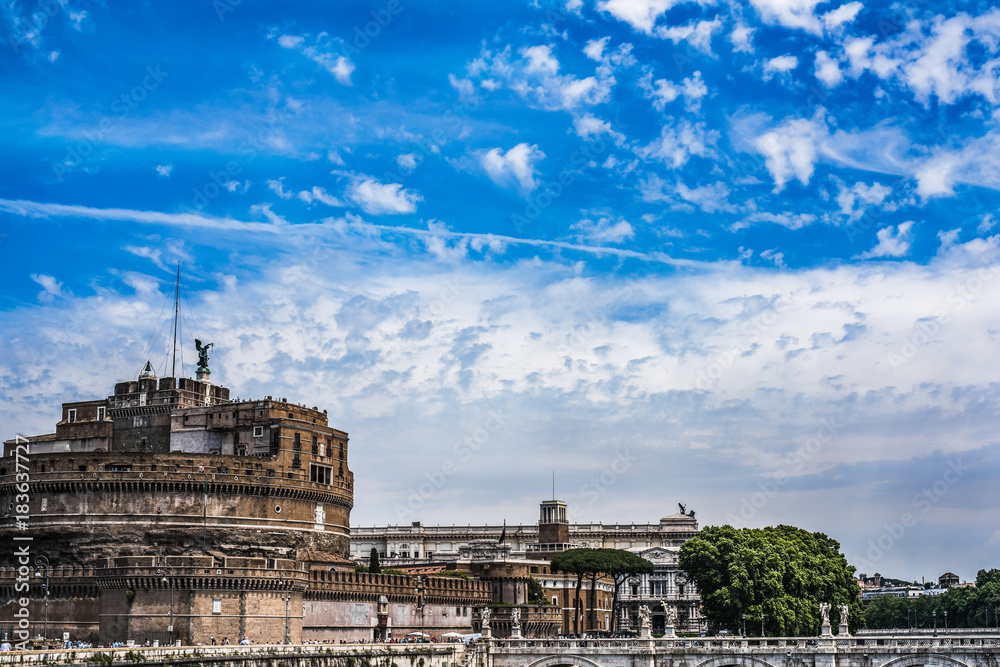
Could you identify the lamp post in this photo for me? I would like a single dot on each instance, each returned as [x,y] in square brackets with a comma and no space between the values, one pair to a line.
[420,604]
[288,606]
[744,625]
[165,573]
[762,623]
[934,614]
[43,562]
[946,621]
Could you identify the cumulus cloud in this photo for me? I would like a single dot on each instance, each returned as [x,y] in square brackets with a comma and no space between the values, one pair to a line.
[790,150]
[892,241]
[377,198]
[640,14]
[742,38]
[828,70]
[277,186]
[779,65]
[516,166]
[164,169]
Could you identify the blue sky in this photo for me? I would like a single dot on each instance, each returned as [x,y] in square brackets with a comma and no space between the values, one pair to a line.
[737,255]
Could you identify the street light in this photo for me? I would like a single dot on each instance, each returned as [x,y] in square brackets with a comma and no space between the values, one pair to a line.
[934,614]
[420,604]
[744,625]
[762,623]
[165,572]
[946,621]
[43,562]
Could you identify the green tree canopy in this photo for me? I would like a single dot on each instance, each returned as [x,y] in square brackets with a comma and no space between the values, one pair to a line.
[781,572]
[593,563]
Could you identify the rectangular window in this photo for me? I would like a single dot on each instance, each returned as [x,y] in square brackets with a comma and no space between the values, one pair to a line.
[320,474]
[100,413]
[71,415]
[216,605]
[298,442]
[315,449]
[555,601]
[258,431]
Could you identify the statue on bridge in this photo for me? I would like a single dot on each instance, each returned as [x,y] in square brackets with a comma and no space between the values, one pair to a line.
[844,613]
[515,619]
[824,612]
[645,622]
[484,615]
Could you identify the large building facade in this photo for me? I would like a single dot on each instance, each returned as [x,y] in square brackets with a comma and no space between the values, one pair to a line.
[417,547]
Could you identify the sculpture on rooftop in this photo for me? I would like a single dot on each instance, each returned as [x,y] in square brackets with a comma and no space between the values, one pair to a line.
[202,354]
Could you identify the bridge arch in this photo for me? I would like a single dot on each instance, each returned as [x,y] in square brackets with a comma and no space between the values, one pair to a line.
[568,659]
[922,659]
[739,661]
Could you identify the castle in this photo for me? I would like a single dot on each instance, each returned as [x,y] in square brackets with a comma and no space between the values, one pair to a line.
[169,512]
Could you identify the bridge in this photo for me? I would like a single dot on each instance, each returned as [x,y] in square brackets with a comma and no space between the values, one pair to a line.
[950,649]
[941,650]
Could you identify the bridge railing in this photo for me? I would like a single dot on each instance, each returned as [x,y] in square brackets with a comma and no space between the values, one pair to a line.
[776,644]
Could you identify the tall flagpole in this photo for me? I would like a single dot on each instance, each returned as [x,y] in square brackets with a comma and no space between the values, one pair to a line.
[177,292]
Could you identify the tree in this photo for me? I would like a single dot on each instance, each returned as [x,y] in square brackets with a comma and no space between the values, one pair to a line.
[536,594]
[782,573]
[594,563]
[373,565]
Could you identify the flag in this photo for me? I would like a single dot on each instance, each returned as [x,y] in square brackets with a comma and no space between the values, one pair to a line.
[503,534]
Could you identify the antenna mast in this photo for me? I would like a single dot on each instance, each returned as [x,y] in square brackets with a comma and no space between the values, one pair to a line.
[177,292]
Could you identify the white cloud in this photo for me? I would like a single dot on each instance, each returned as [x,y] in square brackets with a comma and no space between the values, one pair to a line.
[517,165]
[854,201]
[535,77]
[407,160]
[778,258]
[377,198]
[604,229]
[800,14]
[334,157]
[272,217]
[539,60]
[318,194]
[697,33]
[786,219]
[278,187]
[51,288]
[892,241]
[708,198]
[779,65]
[588,126]
[594,49]
[945,58]
[164,169]
[322,52]
[678,142]
[742,38]
[237,187]
[842,15]
[640,14]
[828,70]
[790,150]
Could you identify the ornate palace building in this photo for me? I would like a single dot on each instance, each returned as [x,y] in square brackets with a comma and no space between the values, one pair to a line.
[530,547]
